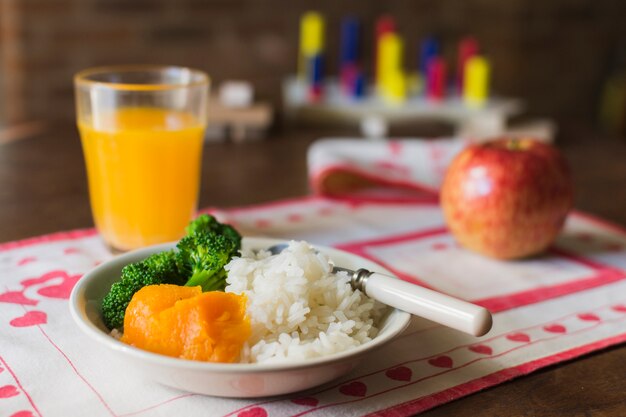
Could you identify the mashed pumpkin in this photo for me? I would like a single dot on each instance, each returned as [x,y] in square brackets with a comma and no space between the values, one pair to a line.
[186,323]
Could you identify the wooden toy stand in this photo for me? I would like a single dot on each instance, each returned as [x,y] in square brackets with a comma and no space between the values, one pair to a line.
[336,108]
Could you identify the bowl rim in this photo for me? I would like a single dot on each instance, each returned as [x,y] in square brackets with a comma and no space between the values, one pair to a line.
[78,303]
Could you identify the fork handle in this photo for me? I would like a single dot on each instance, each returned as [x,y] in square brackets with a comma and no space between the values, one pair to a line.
[432,305]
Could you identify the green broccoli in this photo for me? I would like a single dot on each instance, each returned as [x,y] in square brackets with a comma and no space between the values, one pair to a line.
[203,253]
[199,260]
[159,268]
[206,223]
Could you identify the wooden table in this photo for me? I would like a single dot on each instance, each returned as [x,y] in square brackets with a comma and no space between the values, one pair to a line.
[43,189]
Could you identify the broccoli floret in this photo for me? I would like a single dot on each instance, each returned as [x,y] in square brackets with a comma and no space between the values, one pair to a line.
[201,224]
[202,257]
[203,253]
[209,224]
[159,268]
[164,264]
[200,260]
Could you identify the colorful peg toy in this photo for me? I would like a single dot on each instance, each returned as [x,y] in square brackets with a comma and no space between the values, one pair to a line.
[388,87]
[390,82]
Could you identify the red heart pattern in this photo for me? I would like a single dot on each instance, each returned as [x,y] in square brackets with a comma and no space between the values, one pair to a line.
[307,401]
[555,328]
[23,413]
[8,391]
[253,412]
[294,217]
[441,362]
[325,211]
[26,261]
[61,291]
[395,147]
[620,308]
[354,389]
[482,349]
[401,373]
[391,166]
[31,318]
[17,297]
[44,278]
[588,317]
[518,337]
[262,223]
[439,246]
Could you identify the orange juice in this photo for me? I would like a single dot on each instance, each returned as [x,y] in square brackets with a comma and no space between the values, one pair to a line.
[143,167]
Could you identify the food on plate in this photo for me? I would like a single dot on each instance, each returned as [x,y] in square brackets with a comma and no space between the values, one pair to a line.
[298,308]
[159,268]
[187,323]
[199,260]
[203,301]
[205,250]
[507,198]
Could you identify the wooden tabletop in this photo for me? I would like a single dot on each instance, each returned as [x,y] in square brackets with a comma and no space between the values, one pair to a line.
[43,189]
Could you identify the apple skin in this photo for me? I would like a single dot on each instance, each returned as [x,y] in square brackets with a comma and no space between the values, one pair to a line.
[507,198]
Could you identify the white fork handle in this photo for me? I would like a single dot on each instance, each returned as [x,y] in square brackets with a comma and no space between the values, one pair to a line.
[432,305]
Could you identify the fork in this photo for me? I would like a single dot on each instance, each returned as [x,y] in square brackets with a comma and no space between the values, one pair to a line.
[414,299]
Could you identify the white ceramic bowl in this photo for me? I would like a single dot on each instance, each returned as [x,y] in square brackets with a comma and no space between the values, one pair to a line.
[219,379]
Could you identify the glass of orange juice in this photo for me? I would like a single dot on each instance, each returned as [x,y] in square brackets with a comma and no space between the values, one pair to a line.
[142,130]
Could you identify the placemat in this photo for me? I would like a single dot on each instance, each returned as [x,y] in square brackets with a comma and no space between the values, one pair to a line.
[556,307]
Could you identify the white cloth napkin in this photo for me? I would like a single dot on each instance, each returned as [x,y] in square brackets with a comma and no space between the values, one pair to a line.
[340,166]
[569,302]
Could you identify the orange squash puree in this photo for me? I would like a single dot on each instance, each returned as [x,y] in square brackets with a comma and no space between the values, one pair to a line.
[186,323]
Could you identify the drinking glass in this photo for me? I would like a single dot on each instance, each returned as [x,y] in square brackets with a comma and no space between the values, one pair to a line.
[142,130]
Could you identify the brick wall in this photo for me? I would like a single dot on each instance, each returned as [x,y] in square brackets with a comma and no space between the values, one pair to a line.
[551,53]
[11,75]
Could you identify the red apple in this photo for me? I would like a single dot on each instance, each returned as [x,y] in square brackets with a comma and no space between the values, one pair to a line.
[507,198]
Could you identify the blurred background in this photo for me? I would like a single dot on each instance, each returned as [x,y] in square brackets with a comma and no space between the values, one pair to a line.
[565,58]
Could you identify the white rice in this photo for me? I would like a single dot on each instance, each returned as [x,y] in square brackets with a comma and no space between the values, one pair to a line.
[297,308]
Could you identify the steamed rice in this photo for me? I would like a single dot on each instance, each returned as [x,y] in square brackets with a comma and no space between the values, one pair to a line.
[297,308]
